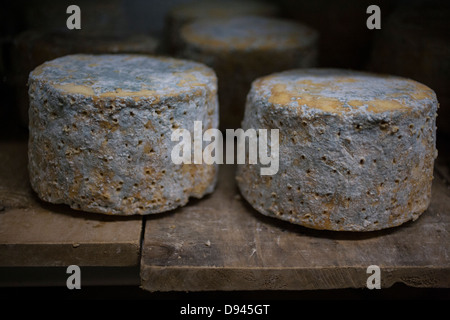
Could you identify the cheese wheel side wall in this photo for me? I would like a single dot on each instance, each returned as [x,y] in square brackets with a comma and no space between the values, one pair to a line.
[343,172]
[113,155]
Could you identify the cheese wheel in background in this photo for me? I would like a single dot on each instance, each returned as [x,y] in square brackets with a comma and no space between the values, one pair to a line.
[32,48]
[356,150]
[244,48]
[100,132]
[414,42]
[188,12]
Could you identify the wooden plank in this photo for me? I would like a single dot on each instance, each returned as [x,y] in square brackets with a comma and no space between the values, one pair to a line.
[221,243]
[34,233]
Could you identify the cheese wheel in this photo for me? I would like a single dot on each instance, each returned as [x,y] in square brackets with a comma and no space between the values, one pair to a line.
[415,43]
[101,128]
[32,48]
[244,48]
[185,13]
[356,150]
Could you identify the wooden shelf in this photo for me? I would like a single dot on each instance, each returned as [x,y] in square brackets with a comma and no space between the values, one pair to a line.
[219,242]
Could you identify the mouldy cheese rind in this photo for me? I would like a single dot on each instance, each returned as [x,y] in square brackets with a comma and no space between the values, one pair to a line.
[100,131]
[356,150]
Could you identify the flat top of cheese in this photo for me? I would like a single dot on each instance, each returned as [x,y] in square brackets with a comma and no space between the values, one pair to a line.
[123,75]
[248,33]
[221,9]
[341,91]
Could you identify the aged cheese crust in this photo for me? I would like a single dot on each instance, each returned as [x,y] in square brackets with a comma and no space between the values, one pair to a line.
[244,48]
[356,150]
[100,131]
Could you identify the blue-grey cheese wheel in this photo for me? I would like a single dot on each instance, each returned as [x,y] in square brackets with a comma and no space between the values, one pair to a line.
[356,150]
[184,13]
[100,132]
[244,48]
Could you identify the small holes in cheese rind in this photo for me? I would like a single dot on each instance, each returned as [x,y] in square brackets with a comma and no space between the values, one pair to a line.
[114,113]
